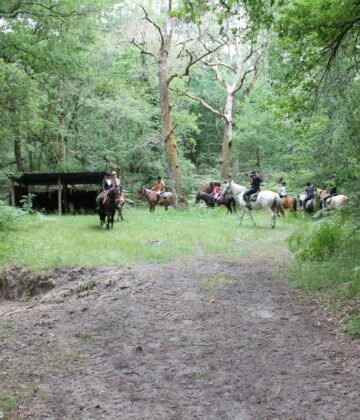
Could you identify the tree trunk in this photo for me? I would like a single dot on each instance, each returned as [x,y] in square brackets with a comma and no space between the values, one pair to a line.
[166,118]
[227,139]
[17,139]
[258,158]
[62,135]
[169,137]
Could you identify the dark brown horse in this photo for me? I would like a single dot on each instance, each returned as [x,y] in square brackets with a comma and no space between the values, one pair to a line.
[226,200]
[289,203]
[122,205]
[109,201]
[312,205]
[154,199]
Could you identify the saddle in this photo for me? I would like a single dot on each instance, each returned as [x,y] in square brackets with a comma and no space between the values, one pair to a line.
[253,197]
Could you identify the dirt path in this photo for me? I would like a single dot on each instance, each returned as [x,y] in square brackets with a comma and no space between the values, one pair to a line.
[192,340]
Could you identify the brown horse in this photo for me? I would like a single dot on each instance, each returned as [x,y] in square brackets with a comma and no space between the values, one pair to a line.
[121,208]
[109,201]
[312,205]
[165,199]
[226,200]
[289,202]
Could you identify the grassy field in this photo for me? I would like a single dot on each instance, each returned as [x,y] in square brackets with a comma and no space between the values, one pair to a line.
[54,241]
[323,261]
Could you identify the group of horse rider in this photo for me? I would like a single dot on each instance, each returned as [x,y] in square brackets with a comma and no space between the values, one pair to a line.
[111,180]
[309,191]
[256,182]
[254,188]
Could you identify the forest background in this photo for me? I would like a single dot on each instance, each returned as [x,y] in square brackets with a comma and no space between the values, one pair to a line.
[191,91]
[80,89]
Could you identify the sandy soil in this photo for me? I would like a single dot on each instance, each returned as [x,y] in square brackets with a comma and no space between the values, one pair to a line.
[191,340]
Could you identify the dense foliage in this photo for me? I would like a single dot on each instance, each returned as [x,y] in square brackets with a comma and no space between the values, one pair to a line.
[76,95]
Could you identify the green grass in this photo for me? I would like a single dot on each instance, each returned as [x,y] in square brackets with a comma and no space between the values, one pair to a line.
[160,237]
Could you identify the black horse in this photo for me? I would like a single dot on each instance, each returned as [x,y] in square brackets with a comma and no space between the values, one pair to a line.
[226,200]
[109,201]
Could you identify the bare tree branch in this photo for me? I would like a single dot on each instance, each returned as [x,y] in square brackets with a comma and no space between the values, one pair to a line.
[146,17]
[19,9]
[192,61]
[201,101]
[215,68]
[142,49]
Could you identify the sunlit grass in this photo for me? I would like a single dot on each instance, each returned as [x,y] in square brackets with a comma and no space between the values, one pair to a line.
[143,238]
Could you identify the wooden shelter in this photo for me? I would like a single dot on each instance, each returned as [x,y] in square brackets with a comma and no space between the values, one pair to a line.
[66,185]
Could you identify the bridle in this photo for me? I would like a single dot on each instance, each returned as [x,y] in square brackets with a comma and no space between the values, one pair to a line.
[227,188]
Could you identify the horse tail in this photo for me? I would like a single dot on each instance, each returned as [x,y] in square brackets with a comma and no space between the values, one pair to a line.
[278,206]
[295,204]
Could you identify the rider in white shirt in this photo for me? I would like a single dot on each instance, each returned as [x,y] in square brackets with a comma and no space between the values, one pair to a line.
[282,189]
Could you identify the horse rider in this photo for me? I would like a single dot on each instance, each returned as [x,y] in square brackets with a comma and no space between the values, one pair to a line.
[106,184]
[116,180]
[255,187]
[282,189]
[217,191]
[159,187]
[310,194]
[331,191]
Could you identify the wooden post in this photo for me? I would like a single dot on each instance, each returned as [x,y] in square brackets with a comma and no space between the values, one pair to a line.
[59,195]
[12,194]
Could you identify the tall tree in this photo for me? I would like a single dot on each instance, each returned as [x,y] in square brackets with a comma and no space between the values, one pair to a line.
[239,60]
[167,72]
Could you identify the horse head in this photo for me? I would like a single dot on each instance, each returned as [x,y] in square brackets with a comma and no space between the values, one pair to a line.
[227,187]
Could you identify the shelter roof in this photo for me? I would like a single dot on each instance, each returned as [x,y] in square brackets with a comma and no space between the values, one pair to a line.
[52,178]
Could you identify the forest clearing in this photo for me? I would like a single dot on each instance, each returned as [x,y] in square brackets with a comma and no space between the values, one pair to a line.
[210,332]
[201,124]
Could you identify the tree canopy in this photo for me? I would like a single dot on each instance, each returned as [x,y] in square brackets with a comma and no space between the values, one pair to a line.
[80,89]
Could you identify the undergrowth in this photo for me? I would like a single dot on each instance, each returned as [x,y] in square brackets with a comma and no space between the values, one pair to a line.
[327,256]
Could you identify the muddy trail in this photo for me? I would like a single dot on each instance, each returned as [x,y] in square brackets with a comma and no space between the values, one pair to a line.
[191,340]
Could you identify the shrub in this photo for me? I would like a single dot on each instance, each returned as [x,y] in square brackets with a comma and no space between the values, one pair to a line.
[318,241]
[8,217]
[27,203]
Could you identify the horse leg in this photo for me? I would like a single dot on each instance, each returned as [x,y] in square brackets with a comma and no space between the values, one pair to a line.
[250,214]
[242,215]
[251,217]
[273,218]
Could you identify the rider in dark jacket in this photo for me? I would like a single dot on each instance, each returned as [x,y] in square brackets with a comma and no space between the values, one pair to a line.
[310,194]
[107,182]
[255,186]
[331,190]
